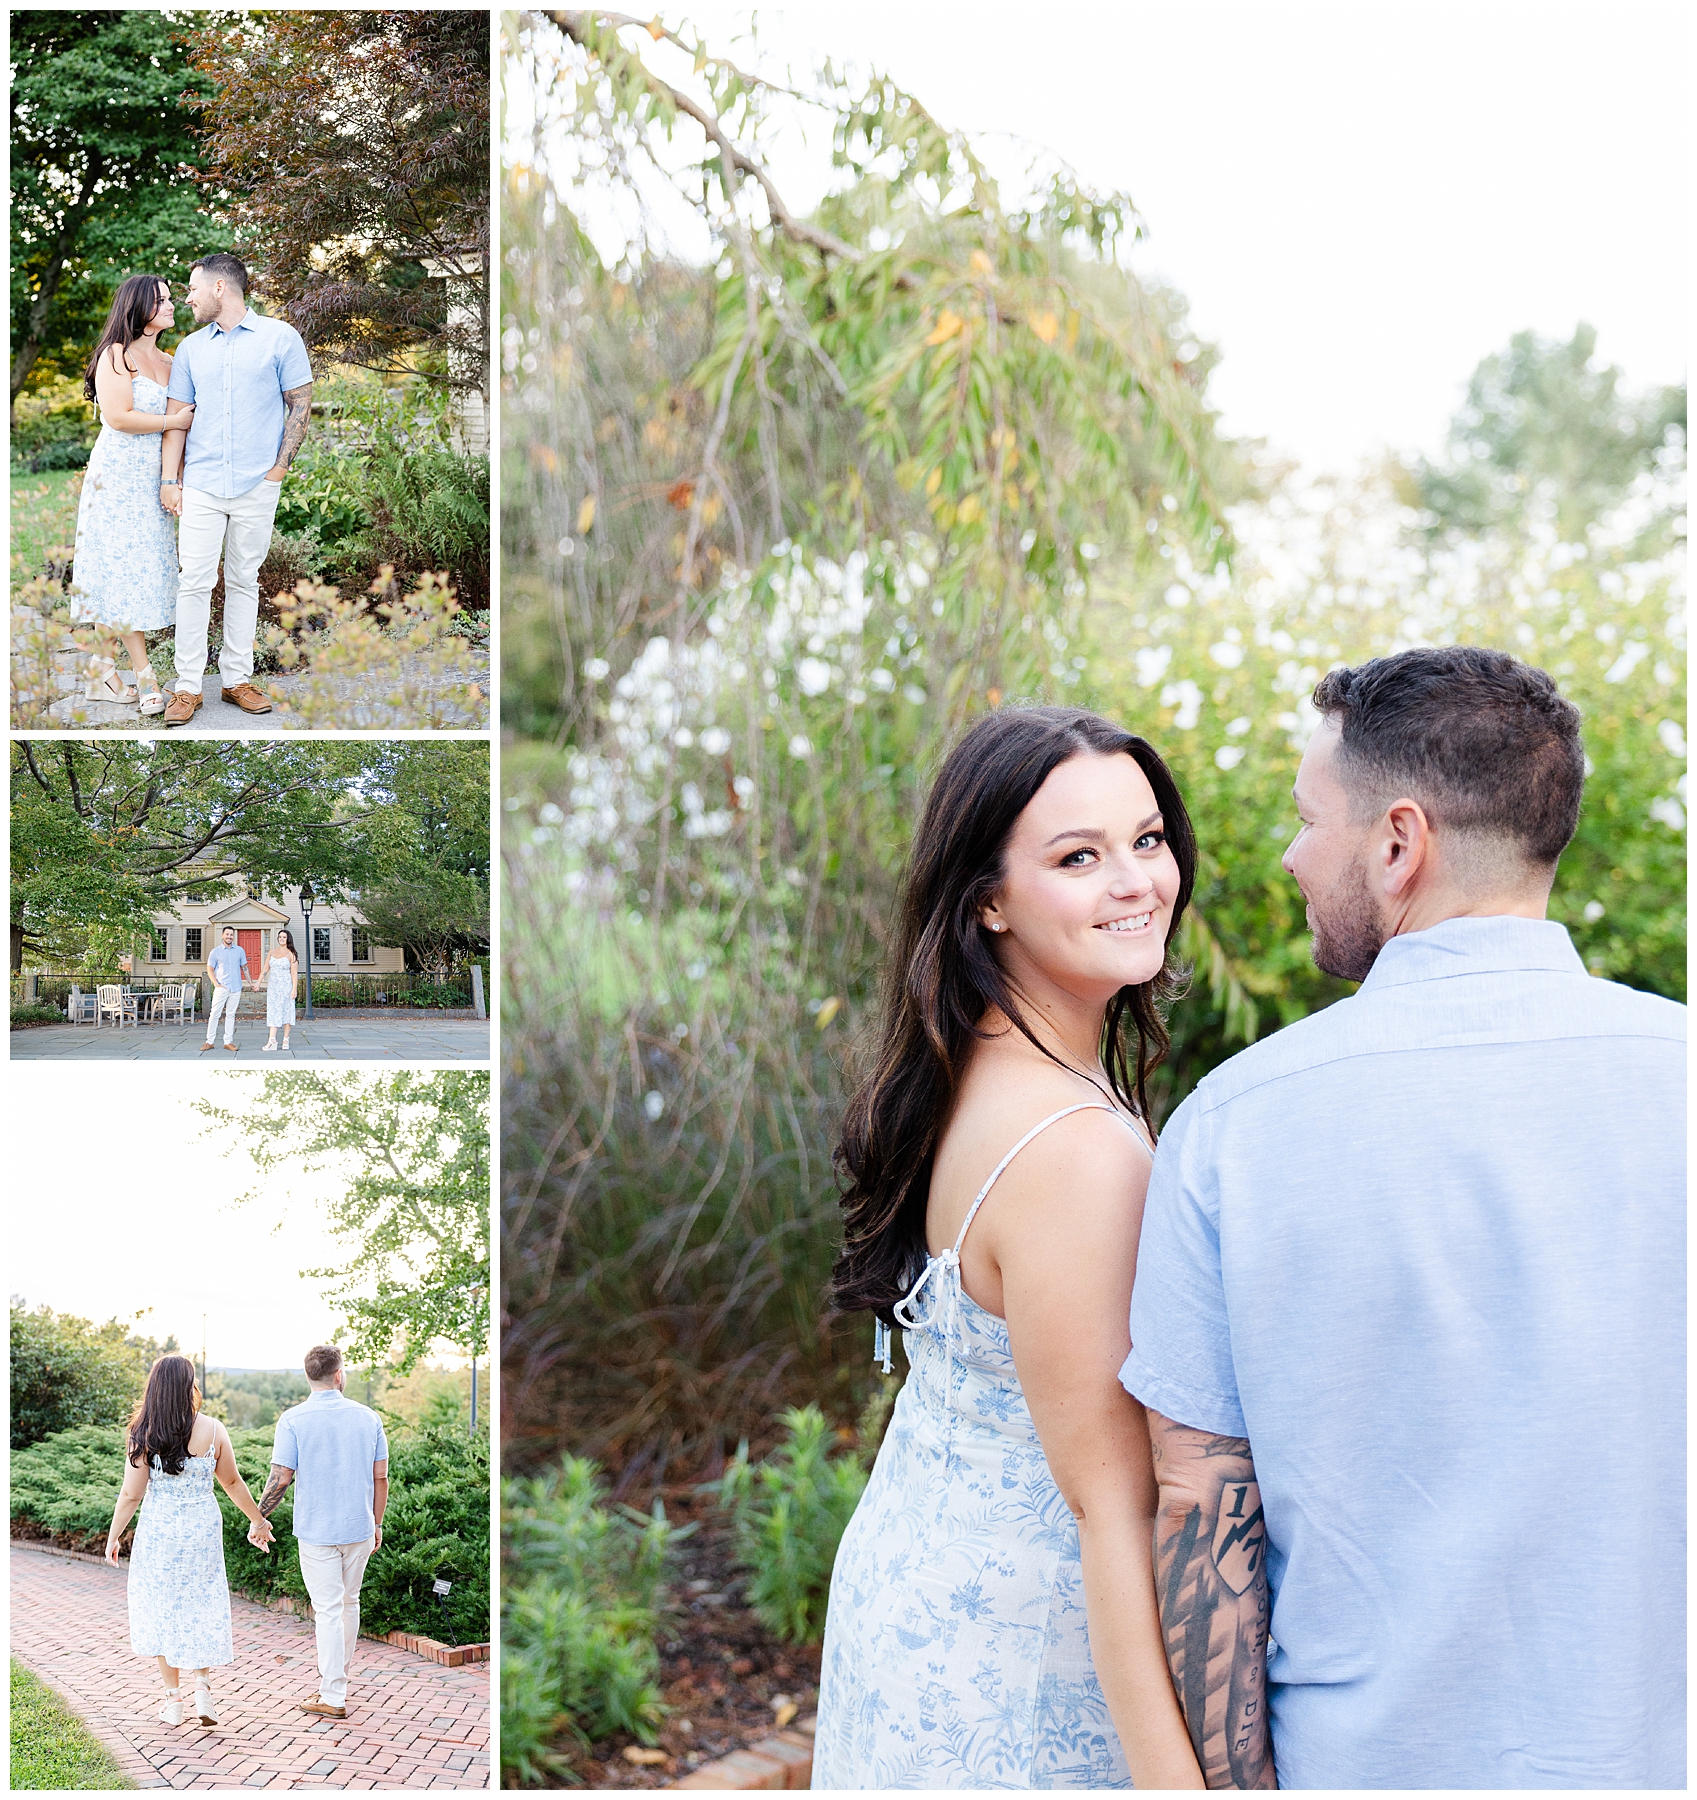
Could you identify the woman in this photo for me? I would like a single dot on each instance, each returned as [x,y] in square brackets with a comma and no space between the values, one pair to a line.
[179,1599]
[125,572]
[992,1619]
[282,972]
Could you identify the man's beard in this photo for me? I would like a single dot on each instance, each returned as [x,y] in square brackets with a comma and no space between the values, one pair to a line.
[1348,933]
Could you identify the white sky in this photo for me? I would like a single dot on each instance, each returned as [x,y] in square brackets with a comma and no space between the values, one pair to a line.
[123,1199]
[1360,201]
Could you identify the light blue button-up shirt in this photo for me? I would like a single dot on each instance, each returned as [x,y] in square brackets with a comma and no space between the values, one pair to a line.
[331,1443]
[1426,1251]
[235,380]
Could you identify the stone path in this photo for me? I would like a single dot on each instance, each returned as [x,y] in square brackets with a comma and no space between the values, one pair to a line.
[221,719]
[327,1038]
[410,1723]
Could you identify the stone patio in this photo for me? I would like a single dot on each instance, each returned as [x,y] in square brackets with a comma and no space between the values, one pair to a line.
[331,1037]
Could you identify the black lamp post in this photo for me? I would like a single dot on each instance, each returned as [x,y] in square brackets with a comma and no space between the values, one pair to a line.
[307,899]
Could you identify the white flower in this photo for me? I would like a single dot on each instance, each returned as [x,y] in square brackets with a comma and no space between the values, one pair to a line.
[1628,660]
[1237,728]
[1228,656]
[1673,738]
[1187,697]
[814,675]
[551,815]
[1594,910]
[597,668]
[744,786]
[567,547]
[883,680]
[1152,664]
[801,745]
[715,740]
[683,737]
[653,1103]
[1668,812]
[914,693]
[1228,756]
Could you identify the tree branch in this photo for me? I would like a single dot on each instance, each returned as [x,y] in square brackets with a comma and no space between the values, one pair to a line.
[576,26]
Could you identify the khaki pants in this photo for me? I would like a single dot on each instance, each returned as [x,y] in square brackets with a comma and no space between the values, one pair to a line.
[224,1000]
[332,1573]
[239,531]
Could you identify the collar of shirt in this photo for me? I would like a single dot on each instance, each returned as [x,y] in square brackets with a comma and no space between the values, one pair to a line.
[1474,946]
[325,1394]
[244,323]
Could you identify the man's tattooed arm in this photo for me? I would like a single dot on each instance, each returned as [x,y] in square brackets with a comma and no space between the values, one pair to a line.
[299,402]
[1211,1586]
[274,1489]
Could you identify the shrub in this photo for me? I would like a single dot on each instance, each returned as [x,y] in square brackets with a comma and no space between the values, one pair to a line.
[54,419]
[36,1015]
[65,453]
[436,1526]
[68,1372]
[789,1515]
[583,1591]
[428,509]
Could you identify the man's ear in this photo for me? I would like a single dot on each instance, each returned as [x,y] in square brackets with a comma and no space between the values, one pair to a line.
[1405,847]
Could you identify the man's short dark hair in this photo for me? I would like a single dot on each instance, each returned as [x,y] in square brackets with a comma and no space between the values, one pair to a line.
[322,1361]
[1484,742]
[222,266]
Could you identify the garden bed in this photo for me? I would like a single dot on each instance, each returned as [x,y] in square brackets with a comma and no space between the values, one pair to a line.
[721,1669]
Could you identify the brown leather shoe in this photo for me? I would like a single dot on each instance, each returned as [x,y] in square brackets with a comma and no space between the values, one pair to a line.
[231,1048]
[181,707]
[320,1710]
[247,697]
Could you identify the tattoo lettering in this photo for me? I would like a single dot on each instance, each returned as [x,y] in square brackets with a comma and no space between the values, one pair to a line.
[299,402]
[275,1488]
[1211,1579]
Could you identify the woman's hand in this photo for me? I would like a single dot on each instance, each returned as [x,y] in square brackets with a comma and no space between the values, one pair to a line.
[112,1551]
[261,1535]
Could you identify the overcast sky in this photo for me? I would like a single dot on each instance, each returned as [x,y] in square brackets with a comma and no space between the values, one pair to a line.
[1360,201]
[123,1199]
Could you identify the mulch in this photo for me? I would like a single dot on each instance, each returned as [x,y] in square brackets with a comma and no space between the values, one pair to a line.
[721,1669]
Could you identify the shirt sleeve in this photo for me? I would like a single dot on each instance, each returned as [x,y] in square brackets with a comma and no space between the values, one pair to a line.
[283,1451]
[181,385]
[294,367]
[381,1454]
[1181,1361]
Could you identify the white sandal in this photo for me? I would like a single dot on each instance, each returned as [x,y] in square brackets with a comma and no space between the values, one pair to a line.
[171,1713]
[149,698]
[98,685]
[203,1704]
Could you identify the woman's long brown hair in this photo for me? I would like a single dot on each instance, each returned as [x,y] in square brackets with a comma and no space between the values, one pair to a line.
[942,977]
[134,304]
[163,1420]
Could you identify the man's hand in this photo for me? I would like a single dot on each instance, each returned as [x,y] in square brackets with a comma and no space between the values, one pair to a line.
[260,1534]
[276,472]
[377,1540]
[171,497]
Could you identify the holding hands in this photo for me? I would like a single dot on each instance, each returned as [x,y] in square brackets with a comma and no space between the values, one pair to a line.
[260,1534]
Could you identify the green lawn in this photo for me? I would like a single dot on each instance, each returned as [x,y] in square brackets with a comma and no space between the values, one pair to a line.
[51,1747]
[44,517]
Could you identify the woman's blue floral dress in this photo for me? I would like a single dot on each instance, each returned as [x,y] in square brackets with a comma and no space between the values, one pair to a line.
[955,1647]
[179,1597]
[125,571]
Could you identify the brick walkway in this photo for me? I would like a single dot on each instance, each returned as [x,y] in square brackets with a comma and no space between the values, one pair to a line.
[410,1723]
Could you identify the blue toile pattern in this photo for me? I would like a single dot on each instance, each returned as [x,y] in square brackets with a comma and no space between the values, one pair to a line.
[955,1646]
[125,568]
[179,1597]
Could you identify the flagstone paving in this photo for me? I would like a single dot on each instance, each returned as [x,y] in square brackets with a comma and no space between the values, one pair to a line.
[410,1724]
[328,1038]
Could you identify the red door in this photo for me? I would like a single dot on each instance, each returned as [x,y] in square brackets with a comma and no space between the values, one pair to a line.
[249,941]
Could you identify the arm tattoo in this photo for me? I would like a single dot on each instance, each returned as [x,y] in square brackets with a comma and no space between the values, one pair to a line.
[274,1489]
[1211,1581]
[299,402]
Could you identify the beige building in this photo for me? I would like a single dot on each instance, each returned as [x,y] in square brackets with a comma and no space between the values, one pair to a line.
[340,942]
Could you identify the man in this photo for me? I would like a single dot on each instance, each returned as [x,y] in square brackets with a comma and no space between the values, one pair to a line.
[337,1449]
[226,963]
[250,384]
[1409,1308]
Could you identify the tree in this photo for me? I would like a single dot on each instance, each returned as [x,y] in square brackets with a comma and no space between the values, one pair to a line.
[356,146]
[66,1372]
[110,832]
[105,174]
[430,842]
[414,1148]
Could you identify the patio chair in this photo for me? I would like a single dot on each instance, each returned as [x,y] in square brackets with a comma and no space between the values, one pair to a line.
[115,1003]
[170,1001]
[81,1008]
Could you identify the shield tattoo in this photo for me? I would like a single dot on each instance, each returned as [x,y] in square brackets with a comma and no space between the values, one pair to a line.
[1240,1538]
